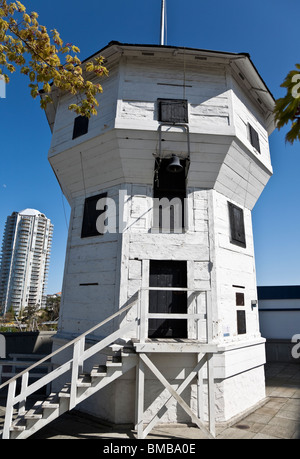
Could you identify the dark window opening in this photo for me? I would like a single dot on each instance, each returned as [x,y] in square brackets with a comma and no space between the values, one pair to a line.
[90,216]
[254,138]
[173,110]
[168,274]
[81,126]
[169,193]
[240,299]
[237,227]
[241,322]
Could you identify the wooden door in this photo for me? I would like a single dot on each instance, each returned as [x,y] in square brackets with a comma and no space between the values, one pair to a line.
[168,274]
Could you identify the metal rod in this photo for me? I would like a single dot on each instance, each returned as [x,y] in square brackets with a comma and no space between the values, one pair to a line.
[162,30]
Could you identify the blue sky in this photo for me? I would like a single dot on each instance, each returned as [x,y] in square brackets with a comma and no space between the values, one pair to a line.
[268,30]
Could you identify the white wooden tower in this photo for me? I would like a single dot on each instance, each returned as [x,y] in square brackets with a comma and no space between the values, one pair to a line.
[195,283]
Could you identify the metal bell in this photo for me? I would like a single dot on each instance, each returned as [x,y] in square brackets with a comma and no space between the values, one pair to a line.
[174,166]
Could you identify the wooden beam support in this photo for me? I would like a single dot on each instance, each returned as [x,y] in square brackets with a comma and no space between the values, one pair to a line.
[211,394]
[180,389]
[175,394]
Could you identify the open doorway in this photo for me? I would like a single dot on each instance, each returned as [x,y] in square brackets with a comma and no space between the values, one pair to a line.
[168,274]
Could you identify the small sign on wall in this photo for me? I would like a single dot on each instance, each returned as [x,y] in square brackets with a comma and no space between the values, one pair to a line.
[226,330]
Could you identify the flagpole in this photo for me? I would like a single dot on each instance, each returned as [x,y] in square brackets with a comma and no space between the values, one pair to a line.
[162,31]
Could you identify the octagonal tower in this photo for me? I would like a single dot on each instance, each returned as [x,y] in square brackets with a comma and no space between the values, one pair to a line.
[210,113]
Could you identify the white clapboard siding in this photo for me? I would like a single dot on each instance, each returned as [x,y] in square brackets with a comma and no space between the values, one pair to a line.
[169,77]
[236,267]
[145,82]
[246,112]
[171,247]
[241,178]
[64,120]
[207,97]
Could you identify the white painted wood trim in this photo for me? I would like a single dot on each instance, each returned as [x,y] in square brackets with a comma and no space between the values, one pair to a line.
[9,410]
[157,315]
[228,76]
[24,385]
[144,300]
[121,78]
[200,386]
[211,394]
[140,396]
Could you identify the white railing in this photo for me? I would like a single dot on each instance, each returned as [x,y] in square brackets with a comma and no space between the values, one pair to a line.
[80,354]
[20,361]
[75,365]
[197,316]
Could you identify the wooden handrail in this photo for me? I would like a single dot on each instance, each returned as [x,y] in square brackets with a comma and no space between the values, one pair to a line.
[70,343]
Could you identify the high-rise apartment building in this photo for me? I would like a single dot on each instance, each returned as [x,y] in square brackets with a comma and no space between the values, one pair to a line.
[25,260]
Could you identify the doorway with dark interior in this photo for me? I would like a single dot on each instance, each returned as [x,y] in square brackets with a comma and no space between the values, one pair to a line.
[165,273]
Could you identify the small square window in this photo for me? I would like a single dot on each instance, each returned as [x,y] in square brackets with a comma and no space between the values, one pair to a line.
[237,227]
[173,110]
[254,138]
[81,126]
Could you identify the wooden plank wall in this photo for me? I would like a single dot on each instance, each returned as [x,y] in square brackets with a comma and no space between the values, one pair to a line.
[235,271]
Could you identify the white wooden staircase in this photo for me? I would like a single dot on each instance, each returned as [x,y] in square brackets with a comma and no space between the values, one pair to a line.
[24,422]
[27,422]
[76,385]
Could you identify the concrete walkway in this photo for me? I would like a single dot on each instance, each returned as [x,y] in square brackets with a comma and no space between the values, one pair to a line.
[278,418]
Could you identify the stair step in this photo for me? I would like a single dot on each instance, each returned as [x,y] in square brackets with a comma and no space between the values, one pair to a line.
[18,425]
[16,428]
[50,406]
[99,371]
[128,350]
[84,381]
[114,364]
[114,359]
[65,391]
[51,403]
[33,415]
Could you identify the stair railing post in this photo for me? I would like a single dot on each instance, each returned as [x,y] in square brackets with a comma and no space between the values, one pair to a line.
[9,410]
[198,323]
[209,319]
[138,322]
[140,395]
[81,351]
[75,372]
[143,315]
[24,385]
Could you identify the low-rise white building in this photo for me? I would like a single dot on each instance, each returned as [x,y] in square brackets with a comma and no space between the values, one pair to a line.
[25,259]
[279,316]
